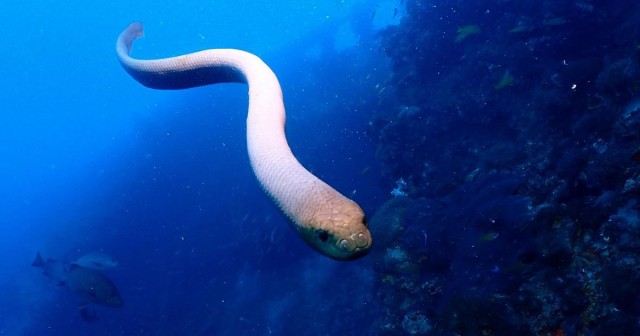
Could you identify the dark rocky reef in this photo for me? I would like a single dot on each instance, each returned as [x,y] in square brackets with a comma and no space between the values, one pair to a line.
[513,152]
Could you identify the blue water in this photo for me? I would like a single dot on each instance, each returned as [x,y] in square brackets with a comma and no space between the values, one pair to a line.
[493,145]
[92,161]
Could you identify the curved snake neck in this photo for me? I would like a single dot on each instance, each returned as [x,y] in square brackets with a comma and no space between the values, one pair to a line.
[329,222]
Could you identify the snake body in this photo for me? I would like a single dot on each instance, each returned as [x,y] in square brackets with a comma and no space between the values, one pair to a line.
[329,222]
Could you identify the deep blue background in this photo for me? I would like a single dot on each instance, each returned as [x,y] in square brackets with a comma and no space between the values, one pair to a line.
[91,160]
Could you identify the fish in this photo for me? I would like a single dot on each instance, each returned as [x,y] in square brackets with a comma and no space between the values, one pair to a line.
[365,170]
[556,21]
[506,80]
[489,237]
[88,315]
[91,285]
[466,31]
[96,260]
[373,13]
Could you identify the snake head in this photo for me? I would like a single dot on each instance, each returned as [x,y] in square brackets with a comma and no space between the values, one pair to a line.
[342,235]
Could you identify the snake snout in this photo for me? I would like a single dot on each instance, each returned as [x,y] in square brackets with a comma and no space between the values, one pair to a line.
[358,241]
[362,240]
[351,246]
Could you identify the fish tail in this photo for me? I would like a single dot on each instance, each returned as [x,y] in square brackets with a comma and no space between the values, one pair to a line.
[39,262]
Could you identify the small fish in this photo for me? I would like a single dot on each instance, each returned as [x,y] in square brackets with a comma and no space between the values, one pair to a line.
[96,260]
[373,13]
[466,31]
[506,80]
[555,21]
[365,170]
[489,237]
[519,29]
[91,285]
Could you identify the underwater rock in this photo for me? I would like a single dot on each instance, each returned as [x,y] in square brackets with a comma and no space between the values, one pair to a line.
[628,124]
[415,323]
[619,79]
[387,224]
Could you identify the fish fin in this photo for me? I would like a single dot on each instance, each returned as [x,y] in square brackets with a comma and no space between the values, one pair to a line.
[39,262]
[87,314]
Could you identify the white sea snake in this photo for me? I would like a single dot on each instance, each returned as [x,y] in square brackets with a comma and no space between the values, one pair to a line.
[328,221]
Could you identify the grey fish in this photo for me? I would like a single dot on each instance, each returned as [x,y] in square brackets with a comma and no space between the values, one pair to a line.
[91,285]
[96,260]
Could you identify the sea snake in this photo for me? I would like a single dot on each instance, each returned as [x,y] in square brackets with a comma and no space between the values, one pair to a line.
[329,222]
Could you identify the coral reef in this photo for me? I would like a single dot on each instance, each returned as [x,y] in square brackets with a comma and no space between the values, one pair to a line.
[513,164]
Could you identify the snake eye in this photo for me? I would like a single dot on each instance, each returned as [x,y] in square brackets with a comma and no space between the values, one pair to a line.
[323,235]
[364,222]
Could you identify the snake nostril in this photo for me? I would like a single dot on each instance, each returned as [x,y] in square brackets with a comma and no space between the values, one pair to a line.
[362,240]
